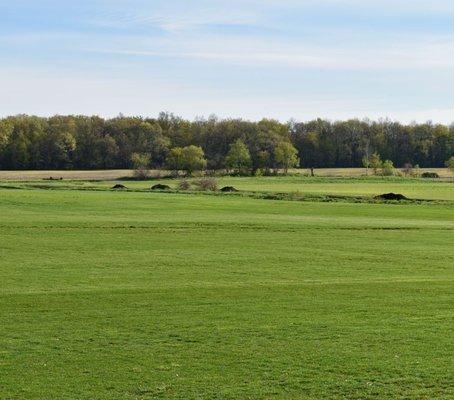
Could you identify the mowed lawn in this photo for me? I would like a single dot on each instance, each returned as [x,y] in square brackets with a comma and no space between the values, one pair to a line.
[130,295]
[424,189]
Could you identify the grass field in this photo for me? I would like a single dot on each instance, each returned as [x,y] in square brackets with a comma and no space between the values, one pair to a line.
[347,186]
[139,295]
[125,173]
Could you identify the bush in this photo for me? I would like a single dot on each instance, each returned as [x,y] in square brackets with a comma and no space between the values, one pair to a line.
[387,168]
[375,162]
[416,171]
[207,184]
[141,163]
[430,175]
[184,185]
[407,170]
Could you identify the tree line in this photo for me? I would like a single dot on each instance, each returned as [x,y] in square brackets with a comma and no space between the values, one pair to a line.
[168,141]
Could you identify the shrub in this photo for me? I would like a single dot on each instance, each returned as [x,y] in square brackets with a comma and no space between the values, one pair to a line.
[416,173]
[184,185]
[207,184]
[141,164]
[407,170]
[387,168]
[375,162]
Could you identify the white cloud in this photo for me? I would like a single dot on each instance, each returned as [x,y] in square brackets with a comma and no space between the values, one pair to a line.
[430,52]
[180,15]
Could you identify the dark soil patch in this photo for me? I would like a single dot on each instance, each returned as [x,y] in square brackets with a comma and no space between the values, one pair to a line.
[229,189]
[391,196]
[430,175]
[160,186]
[119,186]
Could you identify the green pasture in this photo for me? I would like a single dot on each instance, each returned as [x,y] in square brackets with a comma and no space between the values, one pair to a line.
[137,295]
[425,189]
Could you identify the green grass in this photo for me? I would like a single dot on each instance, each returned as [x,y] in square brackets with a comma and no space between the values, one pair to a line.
[426,189]
[134,295]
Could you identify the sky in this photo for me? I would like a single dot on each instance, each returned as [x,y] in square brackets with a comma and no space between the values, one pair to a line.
[283,59]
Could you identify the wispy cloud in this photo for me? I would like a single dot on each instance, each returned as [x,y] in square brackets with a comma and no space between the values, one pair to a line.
[428,52]
[171,18]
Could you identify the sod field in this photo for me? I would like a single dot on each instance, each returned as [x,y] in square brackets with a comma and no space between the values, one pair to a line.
[348,186]
[148,295]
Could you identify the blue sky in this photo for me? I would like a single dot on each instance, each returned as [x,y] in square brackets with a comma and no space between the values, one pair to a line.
[283,59]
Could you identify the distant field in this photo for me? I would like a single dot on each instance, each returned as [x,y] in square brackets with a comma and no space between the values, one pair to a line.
[122,173]
[136,295]
[347,186]
[73,175]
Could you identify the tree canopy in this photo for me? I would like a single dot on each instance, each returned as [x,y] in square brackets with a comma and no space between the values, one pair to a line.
[91,142]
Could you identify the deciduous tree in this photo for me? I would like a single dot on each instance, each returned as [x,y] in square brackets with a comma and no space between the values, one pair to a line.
[238,157]
[286,156]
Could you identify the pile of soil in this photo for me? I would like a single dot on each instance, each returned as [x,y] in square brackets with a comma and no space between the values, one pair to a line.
[119,186]
[430,175]
[160,186]
[229,189]
[391,196]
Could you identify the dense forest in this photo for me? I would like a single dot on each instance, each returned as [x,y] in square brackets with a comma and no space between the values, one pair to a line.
[91,142]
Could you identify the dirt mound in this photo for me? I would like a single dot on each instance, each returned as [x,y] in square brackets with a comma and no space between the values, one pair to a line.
[229,189]
[160,186]
[391,196]
[119,186]
[430,175]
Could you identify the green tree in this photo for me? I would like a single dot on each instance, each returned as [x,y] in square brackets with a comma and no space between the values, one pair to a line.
[375,162]
[174,160]
[6,129]
[366,163]
[141,165]
[238,158]
[83,142]
[107,152]
[189,159]
[55,149]
[286,156]
[193,159]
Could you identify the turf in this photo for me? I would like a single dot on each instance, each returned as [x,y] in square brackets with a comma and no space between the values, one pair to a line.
[425,189]
[131,295]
